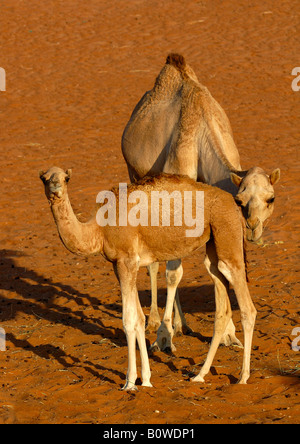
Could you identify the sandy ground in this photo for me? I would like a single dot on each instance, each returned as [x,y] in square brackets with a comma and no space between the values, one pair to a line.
[75,71]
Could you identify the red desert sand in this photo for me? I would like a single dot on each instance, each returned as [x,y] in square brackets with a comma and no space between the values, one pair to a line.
[74,72]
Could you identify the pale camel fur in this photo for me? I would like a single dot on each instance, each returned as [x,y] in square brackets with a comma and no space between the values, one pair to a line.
[178,127]
[130,247]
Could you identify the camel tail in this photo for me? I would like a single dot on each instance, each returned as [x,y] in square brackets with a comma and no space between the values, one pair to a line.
[178,61]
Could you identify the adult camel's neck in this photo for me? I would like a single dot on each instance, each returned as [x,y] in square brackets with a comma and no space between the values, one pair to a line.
[215,168]
[83,239]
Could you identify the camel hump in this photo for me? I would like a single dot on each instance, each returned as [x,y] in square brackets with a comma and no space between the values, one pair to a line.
[178,61]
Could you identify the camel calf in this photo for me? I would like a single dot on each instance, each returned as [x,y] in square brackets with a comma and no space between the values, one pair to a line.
[129,247]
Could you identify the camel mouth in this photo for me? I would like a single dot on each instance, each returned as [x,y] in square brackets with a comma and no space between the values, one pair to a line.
[253,237]
[257,242]
[55,192]
[254,234]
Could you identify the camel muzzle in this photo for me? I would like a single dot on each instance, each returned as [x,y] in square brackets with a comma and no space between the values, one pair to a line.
[252,225]
[254,233]
[55,190]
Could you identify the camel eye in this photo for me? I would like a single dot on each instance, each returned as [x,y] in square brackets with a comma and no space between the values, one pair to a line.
[271,200]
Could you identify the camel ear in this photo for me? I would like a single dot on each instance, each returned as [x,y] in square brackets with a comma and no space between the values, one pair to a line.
[41,174]
[274,176]
[69,174]
[236,179]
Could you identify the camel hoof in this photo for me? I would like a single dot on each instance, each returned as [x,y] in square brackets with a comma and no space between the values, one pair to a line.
[129,387]
[162,345]
[147,384]
[183,330]
[243,380]
[154,347]
[197,378]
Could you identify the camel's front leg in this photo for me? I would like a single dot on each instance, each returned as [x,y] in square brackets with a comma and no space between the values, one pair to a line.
[165,332]
[133,323]
[154,318]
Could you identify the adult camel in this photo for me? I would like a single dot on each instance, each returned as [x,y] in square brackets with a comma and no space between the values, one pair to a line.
[178,127]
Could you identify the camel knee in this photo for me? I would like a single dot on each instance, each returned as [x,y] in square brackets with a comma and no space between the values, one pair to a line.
[133,322]
[248,317]
[211,267]
[225,270]
[232,272]
[237,277]
[223,314]
[173,278]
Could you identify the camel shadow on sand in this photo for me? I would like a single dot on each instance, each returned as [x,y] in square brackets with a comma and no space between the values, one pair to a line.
[34,296]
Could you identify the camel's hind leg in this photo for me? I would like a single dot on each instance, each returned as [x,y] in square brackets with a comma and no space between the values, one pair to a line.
[237,277]
[223,308]
[180,324]
[174,269]
[165,332]
[229,337]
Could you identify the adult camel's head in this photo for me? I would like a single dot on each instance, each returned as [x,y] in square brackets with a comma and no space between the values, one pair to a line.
[256,197]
